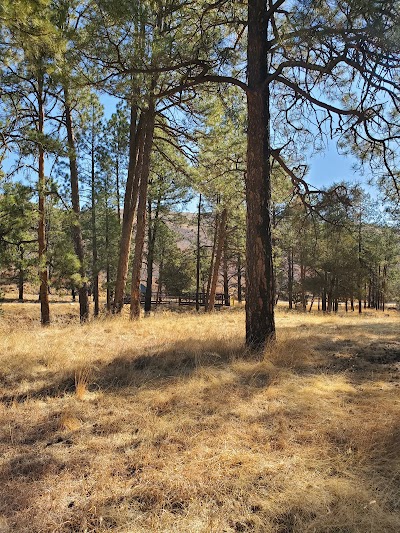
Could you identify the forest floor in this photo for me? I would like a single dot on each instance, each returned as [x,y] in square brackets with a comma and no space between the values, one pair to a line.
[164,426]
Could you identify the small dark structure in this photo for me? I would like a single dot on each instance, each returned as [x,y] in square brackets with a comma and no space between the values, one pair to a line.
[188,299]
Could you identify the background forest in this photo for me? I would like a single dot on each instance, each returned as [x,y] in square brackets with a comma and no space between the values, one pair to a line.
[121,118]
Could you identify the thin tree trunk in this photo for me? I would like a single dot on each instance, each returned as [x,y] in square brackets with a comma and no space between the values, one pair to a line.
[217,262]
[141,213]
[136,140]
[225,272]
[117,190]
[43,272]
[76,225]
[108,267]
[239,278]
[210,272]
[290,277]
[198,256]
[152,233]
[95,268]
[260,322]
[21,275]
[159,286]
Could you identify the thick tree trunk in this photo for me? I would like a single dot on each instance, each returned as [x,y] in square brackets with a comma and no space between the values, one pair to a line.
[198,256]
[217,262]
[43,272]
[141,213]
[76,225]
[136,140]
[260,322]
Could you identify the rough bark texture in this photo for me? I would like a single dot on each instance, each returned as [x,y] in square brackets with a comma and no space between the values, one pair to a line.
[217,262]
[141,214]
[43,272]
[76,226]
[136,140]
[260,323]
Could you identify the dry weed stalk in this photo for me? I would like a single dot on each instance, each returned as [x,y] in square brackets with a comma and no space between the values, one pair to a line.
[81,382]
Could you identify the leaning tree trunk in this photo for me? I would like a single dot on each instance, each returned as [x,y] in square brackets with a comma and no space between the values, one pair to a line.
[43,272]
[76,226]
[141,213]
[136,140]
[217,262]
[260,322]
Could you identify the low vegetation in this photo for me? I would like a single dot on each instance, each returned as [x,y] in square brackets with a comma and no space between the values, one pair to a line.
[165,425]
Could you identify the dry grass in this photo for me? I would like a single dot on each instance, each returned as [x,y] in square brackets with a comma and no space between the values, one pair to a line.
[164,426]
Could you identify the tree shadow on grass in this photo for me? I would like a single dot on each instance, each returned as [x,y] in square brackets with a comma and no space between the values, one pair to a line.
[133,369]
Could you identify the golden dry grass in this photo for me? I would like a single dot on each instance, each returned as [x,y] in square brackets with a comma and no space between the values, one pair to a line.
[165,426]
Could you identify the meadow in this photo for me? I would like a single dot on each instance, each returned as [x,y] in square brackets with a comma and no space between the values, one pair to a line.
[166,425]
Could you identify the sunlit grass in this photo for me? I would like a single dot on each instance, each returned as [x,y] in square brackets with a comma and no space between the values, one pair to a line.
[164,426]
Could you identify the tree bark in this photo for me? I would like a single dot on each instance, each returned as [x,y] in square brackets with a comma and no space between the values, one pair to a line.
[290,277]
[141,212]
[95,268]
[136,140]
[21,275]
[260,322]
[217,262]
[239,278]
[152,233]
[43,272]
[198,256]
[210,272]
[225,272]
[76,225]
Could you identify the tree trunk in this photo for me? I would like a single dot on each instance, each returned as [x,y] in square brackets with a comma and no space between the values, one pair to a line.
[217,262]
[210,272]
[198,256]
[21,274]
[152,233]
[225,272]
[95,268]
[141,213]
[136,140]
[260,322]
[290,277]
[76,225]
[108,267]
[239,279]
[43,273]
